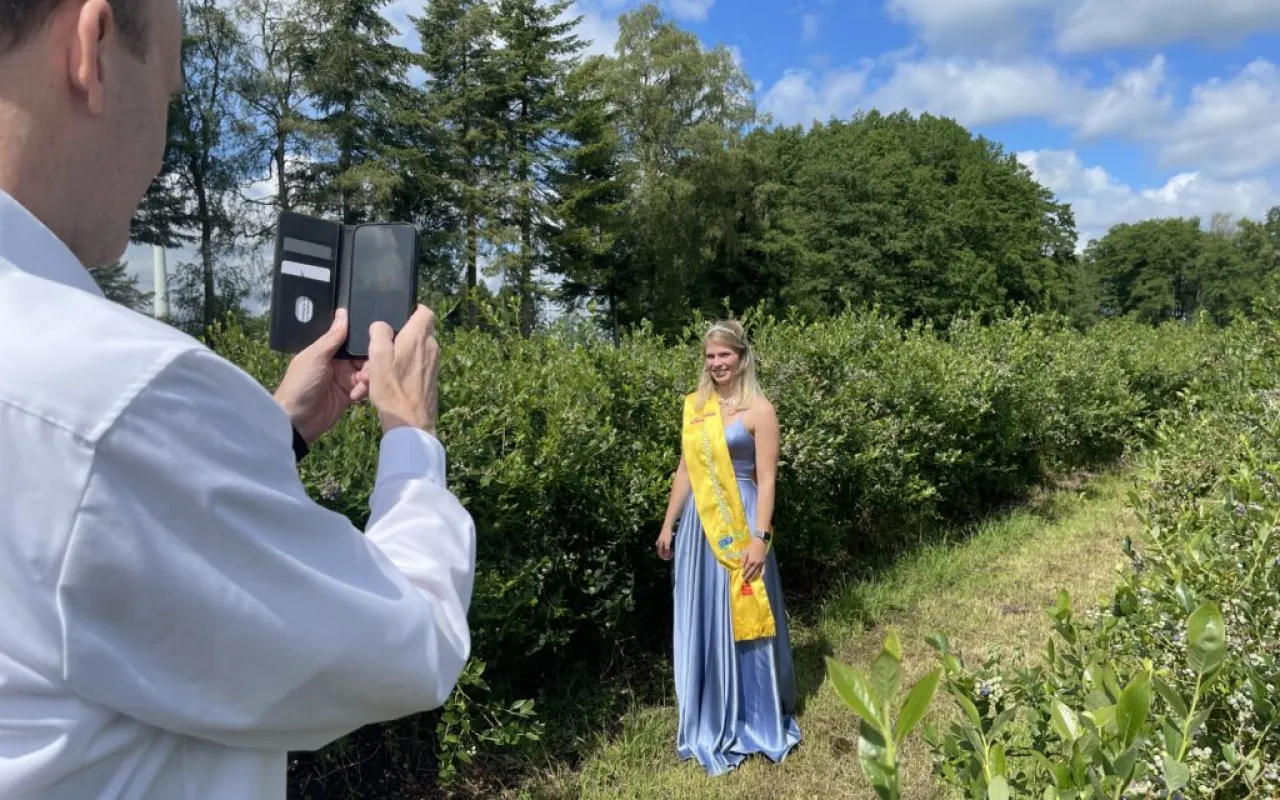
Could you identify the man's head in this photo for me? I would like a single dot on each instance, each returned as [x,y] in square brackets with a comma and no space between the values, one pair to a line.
[85,87]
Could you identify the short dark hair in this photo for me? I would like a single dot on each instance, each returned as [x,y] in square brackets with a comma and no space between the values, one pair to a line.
[22,19]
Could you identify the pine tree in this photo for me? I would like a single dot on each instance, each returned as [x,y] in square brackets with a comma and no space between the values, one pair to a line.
[539,52]
[464,119]
[586,245]
[356,79]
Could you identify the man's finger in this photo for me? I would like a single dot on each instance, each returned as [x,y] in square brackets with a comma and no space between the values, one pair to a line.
[359,392]
[422,323]
[333,338]
[380,347]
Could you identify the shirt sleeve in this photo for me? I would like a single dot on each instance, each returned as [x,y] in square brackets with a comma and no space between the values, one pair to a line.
[204,592]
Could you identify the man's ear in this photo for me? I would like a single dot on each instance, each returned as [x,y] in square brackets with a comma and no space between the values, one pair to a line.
[95,25]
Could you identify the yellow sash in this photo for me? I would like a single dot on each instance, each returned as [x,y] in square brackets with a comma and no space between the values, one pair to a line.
[724,521]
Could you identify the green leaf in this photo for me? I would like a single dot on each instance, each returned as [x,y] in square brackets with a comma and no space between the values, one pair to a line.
[1175,701]
[852,687]
[1126,762]
[1206,639]
[917,703]
[1172,737]
[1199,719]
[1131,711]
[1001,720]
[872,757]
[1102,717]
[1230,755]
[998,764]
[886,677]
[939,642]
[1062,610]
[970,710]
[1064,721]
[892,645]
[1125,602]
[1186,597]
[1110,682]
[1176,775]
[999,789]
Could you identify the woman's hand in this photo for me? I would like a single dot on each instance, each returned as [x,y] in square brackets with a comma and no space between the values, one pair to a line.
[753,560]
[664,544]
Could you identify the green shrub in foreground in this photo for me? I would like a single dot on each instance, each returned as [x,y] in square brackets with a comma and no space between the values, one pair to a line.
[1168,690]
[562,447]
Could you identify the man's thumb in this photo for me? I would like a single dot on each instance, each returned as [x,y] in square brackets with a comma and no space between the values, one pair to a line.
[333,338]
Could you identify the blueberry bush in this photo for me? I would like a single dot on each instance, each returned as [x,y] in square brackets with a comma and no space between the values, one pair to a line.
[1167,688]
[562,446]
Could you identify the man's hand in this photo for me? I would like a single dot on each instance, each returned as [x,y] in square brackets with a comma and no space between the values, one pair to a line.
[402,372]
[317,388]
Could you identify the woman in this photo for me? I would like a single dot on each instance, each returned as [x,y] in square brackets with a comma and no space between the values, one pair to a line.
[735,682]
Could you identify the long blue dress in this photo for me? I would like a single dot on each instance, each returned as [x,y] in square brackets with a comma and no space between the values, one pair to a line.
[736,698]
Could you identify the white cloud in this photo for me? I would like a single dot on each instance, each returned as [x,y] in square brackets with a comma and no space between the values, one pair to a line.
[809,26]
[1230,127]
[976,26]
[801,97]
[1135,102]
[1096,24]
[977,92]
[1100,201]
[987,26]
[983,92]
[691,10]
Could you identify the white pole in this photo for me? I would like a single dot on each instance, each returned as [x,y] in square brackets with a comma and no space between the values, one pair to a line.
[162,283]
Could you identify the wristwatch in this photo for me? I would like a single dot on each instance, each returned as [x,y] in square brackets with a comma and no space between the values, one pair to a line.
[763,536]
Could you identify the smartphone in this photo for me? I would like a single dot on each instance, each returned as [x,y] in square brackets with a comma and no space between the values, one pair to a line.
[380,282]
[320,266]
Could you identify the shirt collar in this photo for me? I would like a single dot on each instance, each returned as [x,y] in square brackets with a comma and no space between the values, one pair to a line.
[30,246]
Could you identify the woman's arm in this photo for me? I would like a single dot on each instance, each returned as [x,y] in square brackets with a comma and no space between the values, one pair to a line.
[766,436]
[679,492]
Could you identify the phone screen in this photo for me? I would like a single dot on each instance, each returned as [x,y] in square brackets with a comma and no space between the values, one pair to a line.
[382,269]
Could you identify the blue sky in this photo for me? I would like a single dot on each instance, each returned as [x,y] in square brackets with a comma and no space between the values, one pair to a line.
[1127,109]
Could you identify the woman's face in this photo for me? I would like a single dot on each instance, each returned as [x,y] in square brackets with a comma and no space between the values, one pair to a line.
[721,362]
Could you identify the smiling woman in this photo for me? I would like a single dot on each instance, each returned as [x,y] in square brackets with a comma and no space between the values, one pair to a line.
[735,681]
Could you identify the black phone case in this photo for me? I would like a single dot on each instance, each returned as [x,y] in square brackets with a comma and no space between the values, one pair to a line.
[304,281]
[312,279]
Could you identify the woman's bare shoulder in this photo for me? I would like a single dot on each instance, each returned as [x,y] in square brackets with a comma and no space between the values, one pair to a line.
[761,412]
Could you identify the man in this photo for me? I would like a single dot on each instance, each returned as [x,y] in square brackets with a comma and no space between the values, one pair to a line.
[175,612]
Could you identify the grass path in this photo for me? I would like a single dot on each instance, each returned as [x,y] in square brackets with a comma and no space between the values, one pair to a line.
[988,589]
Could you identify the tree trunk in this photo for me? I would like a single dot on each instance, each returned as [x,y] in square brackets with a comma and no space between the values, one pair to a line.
[473,235]
[282,185]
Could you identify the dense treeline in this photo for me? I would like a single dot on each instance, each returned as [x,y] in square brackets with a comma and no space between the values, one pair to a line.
[635,187]
[1163,269]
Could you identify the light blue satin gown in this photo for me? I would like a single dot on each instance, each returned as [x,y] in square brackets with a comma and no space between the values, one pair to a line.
[736,698]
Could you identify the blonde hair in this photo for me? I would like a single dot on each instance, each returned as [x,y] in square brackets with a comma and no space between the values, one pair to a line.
[743,387]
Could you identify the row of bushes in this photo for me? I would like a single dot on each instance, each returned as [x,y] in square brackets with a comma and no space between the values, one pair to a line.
[1168,689]
[562,447]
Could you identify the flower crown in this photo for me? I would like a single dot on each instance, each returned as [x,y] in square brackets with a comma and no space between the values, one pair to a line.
[725,329]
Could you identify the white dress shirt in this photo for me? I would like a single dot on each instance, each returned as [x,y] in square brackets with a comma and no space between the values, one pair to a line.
[175,612]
